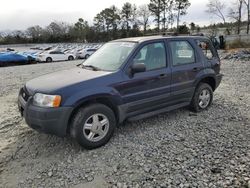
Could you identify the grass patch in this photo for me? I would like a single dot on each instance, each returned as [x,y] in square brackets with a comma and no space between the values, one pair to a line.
[237,44]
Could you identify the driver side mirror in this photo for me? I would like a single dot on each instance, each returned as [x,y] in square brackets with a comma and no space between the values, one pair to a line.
[138,67]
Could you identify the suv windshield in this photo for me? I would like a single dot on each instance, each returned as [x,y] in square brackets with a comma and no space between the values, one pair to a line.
[111,56]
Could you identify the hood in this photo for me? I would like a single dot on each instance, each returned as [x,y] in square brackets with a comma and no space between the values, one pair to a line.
[50,83]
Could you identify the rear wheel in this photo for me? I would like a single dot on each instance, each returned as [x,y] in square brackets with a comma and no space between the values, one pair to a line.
[70,58]
[49,59]
[93,125]
[202,98]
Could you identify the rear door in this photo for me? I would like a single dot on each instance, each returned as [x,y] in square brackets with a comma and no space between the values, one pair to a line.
[62,56]
[185,66]
[56,56]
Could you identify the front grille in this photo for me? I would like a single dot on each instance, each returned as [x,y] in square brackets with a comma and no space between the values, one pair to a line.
[25,95]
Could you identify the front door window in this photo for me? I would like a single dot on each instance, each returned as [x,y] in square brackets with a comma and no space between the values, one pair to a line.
[152,55]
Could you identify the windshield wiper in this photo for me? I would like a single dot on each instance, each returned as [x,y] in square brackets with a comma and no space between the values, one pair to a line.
[92,67]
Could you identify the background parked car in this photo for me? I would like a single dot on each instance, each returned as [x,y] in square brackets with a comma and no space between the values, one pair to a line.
[50,56]
[85,53]
[9,58]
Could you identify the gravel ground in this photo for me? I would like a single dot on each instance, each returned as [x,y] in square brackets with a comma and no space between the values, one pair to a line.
[175,149]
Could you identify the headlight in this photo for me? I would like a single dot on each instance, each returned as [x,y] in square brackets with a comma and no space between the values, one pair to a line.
[43,100]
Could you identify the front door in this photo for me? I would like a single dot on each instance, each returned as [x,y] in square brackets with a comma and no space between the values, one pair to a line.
[149,90]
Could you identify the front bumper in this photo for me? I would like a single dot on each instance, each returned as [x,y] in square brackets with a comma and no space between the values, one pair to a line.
[48,120]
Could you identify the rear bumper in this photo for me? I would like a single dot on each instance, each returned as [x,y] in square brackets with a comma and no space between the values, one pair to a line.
[48,120]
[218,79]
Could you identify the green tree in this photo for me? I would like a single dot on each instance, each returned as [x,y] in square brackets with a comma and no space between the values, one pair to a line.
[192,26]
[156,7]
[80,29]
[183,29]
[99,22]
[107,22]
[167,6]
[181,7]
[126,14]
[198,29]
[113,18]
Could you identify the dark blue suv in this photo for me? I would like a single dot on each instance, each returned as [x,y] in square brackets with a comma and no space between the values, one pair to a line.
[126,79]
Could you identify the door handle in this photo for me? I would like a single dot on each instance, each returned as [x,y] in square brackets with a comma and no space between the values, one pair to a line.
[161,76]
[195,69]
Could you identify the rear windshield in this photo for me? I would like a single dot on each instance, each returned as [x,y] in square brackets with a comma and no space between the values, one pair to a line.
[207,49]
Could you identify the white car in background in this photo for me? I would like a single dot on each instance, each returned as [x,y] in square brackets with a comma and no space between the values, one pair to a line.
[55,55]
[85,53]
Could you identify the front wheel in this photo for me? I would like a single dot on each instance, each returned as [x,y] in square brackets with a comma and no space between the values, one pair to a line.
[202,98]
[87,56]
[49,60]
[93,125]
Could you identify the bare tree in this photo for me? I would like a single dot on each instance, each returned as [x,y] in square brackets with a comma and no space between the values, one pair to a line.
[143,16]
[171,15]
[216,7]
[34,32]
[164,19]
[247,3]
[236,13]
[134,20]
[57,28]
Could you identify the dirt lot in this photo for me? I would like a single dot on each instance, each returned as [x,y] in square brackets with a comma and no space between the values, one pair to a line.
[176,149]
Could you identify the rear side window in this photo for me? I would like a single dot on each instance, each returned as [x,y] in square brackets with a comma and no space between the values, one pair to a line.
[91,50]
[206,49]
[182,53]
[56,52]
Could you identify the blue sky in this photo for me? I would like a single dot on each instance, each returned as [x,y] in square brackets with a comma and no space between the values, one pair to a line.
[20,14]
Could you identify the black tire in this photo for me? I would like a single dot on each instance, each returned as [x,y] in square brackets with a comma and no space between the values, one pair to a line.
[49,60]
[87,56]
[194,105]
[82,116]
[70,58]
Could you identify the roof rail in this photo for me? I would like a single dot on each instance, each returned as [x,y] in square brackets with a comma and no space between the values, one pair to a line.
[173,34]
[154,34]
[163,34]
[197,34]
[169,34]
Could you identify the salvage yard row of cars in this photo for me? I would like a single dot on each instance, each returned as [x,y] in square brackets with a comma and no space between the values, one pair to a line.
[59,52]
